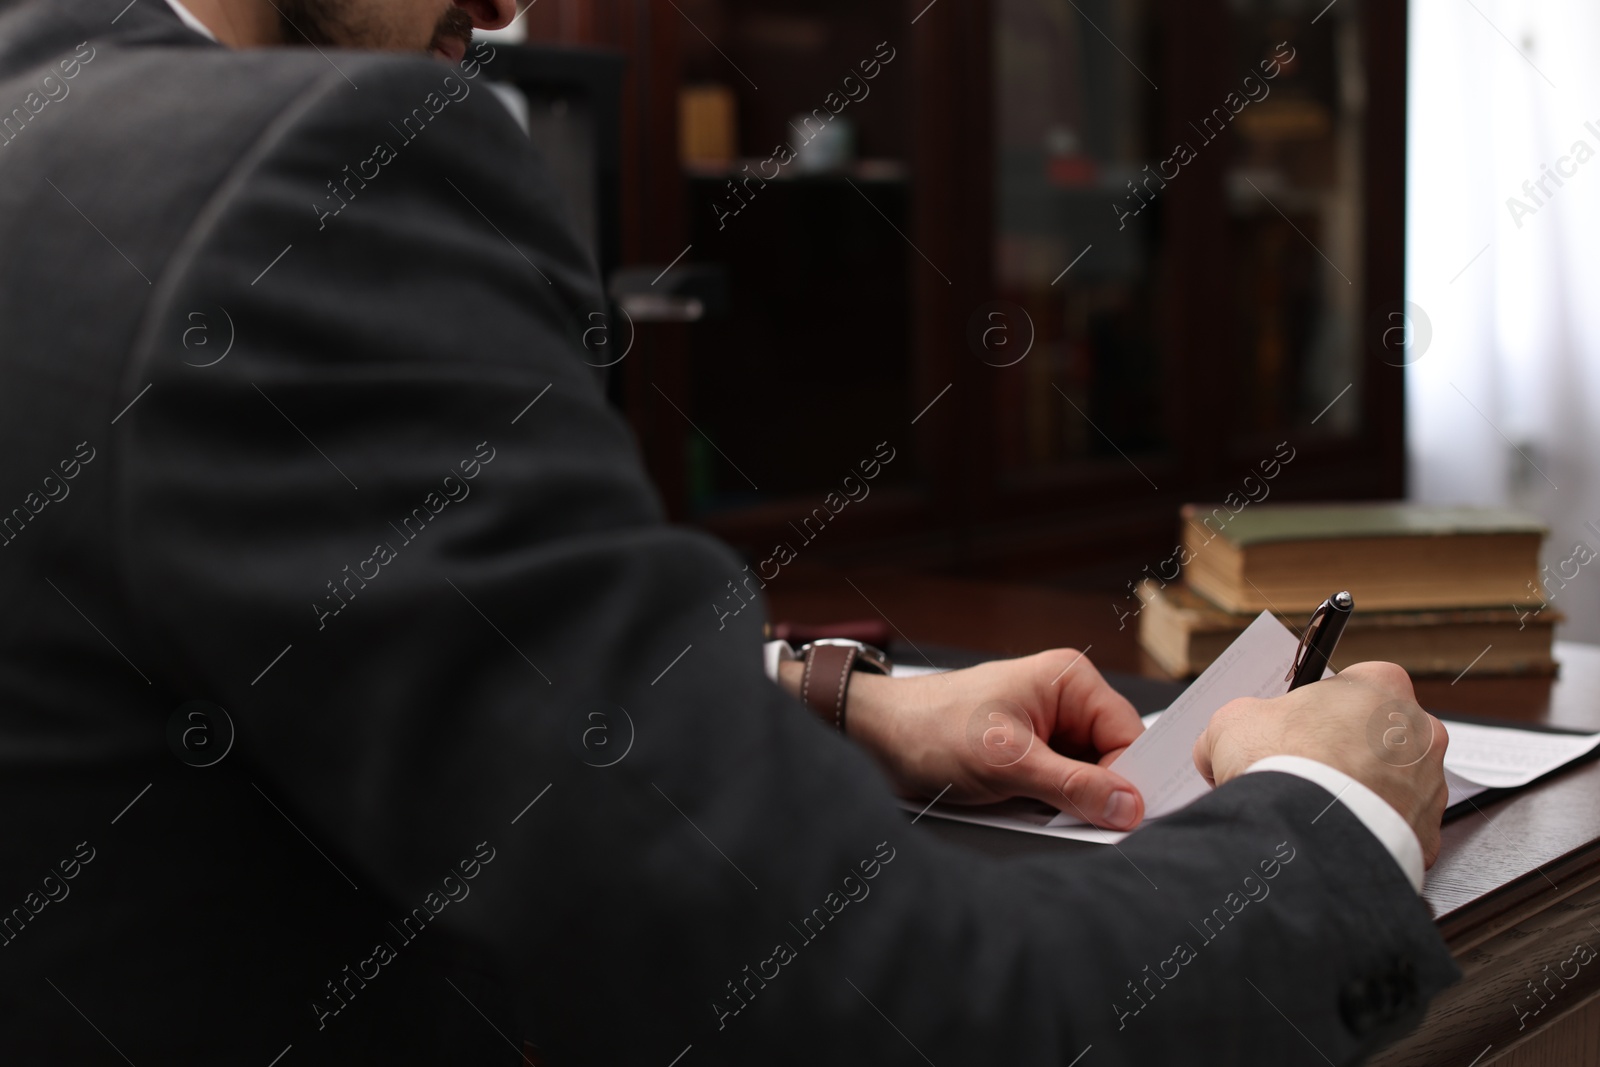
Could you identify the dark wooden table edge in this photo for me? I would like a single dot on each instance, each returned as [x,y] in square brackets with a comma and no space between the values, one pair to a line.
[1521,899]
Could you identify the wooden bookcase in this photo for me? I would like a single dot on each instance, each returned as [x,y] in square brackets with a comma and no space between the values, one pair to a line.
[1000,158]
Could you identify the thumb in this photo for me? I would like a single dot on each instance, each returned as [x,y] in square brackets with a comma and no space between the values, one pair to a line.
[1089,791]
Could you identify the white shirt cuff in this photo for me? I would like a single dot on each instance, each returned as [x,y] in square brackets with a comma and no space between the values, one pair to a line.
[774,653]
[1375,813]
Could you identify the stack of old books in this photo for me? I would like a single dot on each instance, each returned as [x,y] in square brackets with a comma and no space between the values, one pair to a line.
[1437,590]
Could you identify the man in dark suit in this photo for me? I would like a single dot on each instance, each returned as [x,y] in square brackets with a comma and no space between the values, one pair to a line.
[360,707]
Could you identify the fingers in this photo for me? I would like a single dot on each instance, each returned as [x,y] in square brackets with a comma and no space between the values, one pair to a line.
[1205,746]
[1427,824]
[1088,710]
[1390,678]
[1087,790]
[1429,833]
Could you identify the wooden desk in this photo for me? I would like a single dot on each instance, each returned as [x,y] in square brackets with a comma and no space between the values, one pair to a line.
[1517,884]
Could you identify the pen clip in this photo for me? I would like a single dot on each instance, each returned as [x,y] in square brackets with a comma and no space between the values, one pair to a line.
[1305,639]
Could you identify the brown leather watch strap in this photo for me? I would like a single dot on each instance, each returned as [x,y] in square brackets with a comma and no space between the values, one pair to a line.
[826,682]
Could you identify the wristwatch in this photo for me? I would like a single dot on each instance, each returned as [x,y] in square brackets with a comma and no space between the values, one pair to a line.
[825,684]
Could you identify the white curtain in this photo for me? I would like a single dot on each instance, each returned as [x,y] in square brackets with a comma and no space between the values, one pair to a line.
[1503,405]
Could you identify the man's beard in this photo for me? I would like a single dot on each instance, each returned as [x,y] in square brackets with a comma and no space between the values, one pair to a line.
[456,24]
[333,24]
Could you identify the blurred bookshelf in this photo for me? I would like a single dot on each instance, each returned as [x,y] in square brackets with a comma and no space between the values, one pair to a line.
[1123,248]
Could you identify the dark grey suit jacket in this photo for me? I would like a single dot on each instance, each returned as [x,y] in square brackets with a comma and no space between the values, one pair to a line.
[272,323]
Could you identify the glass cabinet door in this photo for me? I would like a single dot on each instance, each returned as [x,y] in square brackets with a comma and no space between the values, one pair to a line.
[1077,241]
[1296,214]
[1160,201]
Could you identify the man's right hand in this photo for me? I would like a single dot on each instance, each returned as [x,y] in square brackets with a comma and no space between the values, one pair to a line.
[1364,721]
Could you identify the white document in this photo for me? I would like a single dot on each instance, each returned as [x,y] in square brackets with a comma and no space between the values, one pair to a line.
[1501,757]
[1161,761]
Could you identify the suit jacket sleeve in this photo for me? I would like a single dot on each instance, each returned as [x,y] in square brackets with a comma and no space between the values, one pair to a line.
[422,598]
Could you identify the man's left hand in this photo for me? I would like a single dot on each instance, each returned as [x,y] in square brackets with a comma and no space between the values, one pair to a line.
[1044,726]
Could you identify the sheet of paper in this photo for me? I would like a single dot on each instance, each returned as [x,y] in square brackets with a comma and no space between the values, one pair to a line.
[1461,790]
[1026,816]
[1499,757]
[1161,761]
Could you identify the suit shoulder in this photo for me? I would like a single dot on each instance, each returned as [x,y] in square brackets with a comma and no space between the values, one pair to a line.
[185,125]
[161,99]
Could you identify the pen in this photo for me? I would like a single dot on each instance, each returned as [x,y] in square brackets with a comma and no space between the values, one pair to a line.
[1322,637]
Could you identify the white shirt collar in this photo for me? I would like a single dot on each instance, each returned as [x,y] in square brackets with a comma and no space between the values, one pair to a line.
[189,20]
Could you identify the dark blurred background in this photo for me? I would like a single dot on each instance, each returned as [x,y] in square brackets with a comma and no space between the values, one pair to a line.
[1126,250]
